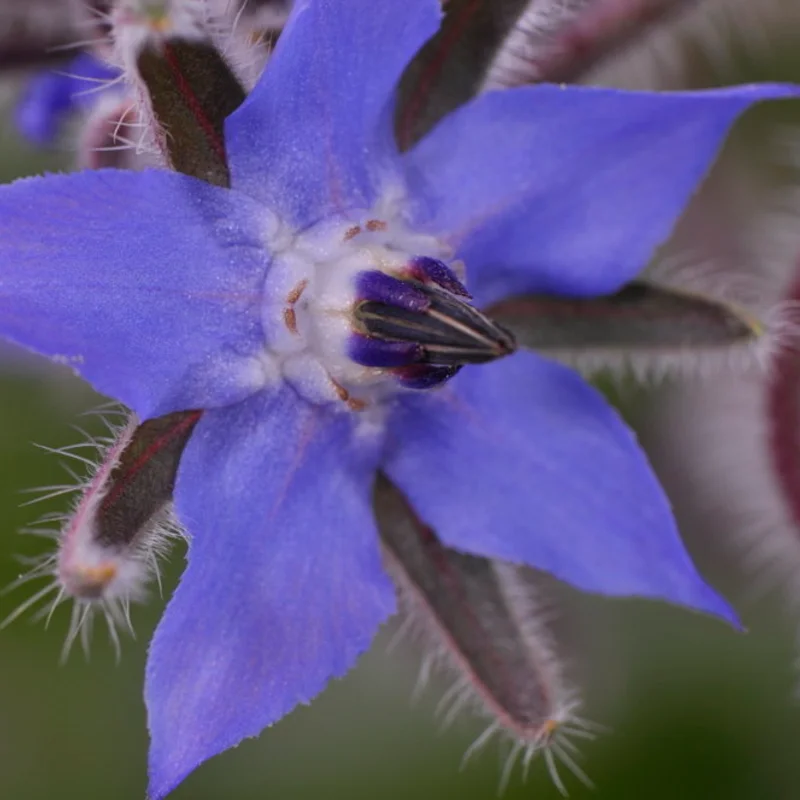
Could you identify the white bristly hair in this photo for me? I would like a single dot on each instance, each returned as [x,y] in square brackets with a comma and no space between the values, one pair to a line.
[100,579]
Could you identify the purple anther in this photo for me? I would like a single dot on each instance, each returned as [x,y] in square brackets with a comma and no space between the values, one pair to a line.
[426,269]
[423,376]
[379,287]
[371,352]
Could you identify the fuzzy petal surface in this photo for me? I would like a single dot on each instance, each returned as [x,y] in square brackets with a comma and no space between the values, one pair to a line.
[315,137]
[148,284]
[284,587]
[522,460]
[568,190]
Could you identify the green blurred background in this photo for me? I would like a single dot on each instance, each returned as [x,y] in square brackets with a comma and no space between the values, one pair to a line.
[695,710]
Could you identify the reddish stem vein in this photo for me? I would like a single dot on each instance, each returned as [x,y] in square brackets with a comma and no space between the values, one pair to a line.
[432,71]
[194,104]
[186,423]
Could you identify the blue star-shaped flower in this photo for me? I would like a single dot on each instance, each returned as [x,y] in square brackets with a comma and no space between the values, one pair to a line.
[254,304]
[52,95]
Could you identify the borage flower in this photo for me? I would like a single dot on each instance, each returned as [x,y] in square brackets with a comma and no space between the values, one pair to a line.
[50,97]
[320,311]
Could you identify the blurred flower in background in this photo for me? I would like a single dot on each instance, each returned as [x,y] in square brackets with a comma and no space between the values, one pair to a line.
[52,95]
[685,725]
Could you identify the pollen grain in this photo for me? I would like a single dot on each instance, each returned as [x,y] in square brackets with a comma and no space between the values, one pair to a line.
[290,319]
[353,403]
[341,392]
[297,292]
[289,314]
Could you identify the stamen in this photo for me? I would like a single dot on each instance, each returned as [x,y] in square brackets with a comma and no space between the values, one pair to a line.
[353,403]
[427,270]
[449,331]
[376,317]
[290,319]
[297,292]
[376,353]
[423,376]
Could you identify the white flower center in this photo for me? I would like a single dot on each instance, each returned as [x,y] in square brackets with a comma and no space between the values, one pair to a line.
[310,294]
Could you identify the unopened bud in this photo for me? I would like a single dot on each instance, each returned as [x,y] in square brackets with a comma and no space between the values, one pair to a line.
[480,619]
[186,84]
[109,545]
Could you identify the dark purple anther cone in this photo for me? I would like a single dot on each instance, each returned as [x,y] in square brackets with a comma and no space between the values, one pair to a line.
[421,325]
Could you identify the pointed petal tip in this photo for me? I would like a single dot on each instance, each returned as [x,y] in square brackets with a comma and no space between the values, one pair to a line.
[164,778]
[232,657]
[308,177]
[130,327]
[696,596]
[601,521]
[536,233]
[771,91]
[714,604]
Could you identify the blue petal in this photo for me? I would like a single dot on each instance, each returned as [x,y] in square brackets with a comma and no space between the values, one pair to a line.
[284,587]
[522,460]
[51,95]
[147,284]
[315,136]
[568,190]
